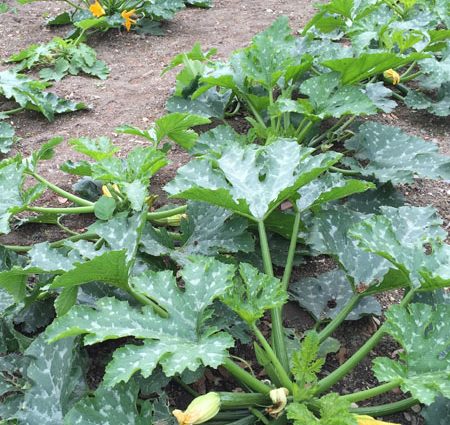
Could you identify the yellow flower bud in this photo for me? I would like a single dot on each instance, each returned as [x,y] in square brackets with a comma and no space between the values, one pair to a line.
[368,420]
[279,400]
[116,188]
[200,410]
[106,191]
[392,76]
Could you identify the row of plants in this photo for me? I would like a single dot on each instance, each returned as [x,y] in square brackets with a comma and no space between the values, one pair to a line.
[181,289]
[72,55]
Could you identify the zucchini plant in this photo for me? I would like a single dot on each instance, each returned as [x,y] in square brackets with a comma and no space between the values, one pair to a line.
[176,293]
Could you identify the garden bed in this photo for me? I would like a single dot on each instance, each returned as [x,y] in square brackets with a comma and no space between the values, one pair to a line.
[136,93]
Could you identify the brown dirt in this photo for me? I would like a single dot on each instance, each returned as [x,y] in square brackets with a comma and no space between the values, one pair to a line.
[135,93]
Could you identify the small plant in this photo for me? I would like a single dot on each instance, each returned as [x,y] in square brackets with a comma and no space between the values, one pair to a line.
[59,58]
[102,15]
[24,93]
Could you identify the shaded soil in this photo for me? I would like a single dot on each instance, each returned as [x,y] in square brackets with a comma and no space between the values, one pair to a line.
[135,93]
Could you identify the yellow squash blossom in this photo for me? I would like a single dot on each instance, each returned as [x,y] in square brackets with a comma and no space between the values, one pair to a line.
[106,191]
[200,410]
[127,16]
[368,420]
[97,9]
[392,76]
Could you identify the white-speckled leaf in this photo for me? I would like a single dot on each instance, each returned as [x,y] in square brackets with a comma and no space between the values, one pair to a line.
[122,232]
[110,267]
[424,366]
[11,179]
[328,235]
[389,154]
[111,406]
[178,342]
[399,235]
[332,99]
[329,187]
[56,378]
[250,180]
[210,230]
[438,105]
[43,256]
[437,413]
[324,296]
[254,294]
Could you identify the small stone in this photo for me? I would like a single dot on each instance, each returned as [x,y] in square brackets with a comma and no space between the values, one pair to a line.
[417,408]
[269,10]
[407,416]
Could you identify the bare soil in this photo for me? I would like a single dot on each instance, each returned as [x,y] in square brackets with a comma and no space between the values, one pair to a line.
[135,93]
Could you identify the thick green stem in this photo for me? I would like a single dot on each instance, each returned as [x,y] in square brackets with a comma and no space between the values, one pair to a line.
[259,416]
[69,210]
[411,76]
[281,372]
[340,317]
[246,378]
[386,409]
[371,392]
[254,111]
[354,360]
[304,132]
[279,342]
[344,172]
[158,215]
[291,253]
[75,199]
[12,111]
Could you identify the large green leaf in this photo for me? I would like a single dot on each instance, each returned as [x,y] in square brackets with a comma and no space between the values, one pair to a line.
[389,154]
[110,267]
[97,149]
[140,164]
[207,230]
[254,294]
[251,180]
[112,406]
[400,236]
[365,268]
[271,54]
[333,411]
[438,413]
[178,127]
[439,106]
[366,65]
[178,342]
[56,376]
[436,73]
[210,230]
[329,187]
[424,366]
[324,296]
[331,99]
[6,136]
[11,179]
